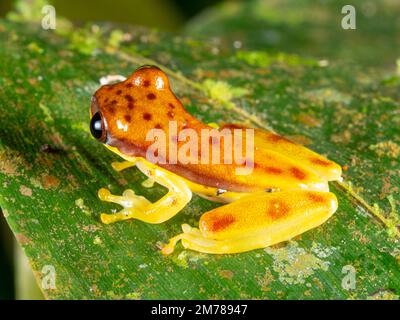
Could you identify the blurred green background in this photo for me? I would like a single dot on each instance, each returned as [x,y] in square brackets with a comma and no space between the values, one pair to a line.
[304,27]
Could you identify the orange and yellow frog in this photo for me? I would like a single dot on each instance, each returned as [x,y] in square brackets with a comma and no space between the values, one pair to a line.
[285,194]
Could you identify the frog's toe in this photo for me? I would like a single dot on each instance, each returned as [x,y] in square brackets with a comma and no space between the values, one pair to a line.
[103,194]
[128,199]
[107,218]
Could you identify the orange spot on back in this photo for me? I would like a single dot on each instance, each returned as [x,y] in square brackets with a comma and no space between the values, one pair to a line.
[277,138]
[273,170]
[320,162]
[277,209]
[299,174]
[314,197]
[222,223]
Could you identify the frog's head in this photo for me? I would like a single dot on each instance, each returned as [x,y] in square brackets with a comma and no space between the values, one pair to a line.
[123,113]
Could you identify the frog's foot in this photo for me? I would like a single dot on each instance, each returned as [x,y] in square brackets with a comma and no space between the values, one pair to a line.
[131,202]
[256,221]
[138,207]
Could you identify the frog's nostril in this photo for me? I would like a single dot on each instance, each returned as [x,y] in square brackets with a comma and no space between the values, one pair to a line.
[97,127]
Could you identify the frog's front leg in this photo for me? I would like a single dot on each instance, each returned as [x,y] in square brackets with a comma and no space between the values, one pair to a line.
[138,207]
[256,221]
[119,166]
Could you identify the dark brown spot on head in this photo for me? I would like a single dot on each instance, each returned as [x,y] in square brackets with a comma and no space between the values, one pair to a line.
[111,109]
[129,98]
[298,173]
[146,83]
[118,92]
[222,223]
[146,116]
[315,197]
[129,85]
[170,114]
[114,102]
[151,96]
[127,118]
[171,105]
[158,126]
[277,209]
[130,105]
[106,100]
[320,162]
[109,87]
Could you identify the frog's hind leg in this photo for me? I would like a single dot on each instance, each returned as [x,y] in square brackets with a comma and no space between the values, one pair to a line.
[256,221]
[138,207]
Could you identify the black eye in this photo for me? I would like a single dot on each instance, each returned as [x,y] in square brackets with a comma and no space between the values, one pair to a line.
[96,127]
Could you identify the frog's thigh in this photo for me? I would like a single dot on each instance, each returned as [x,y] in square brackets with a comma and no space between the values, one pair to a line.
[138,207]
[257,221]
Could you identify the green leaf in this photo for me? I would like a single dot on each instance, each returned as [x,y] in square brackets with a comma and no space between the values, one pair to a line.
[51,168]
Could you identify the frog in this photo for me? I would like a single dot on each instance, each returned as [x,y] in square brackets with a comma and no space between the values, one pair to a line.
[284,195]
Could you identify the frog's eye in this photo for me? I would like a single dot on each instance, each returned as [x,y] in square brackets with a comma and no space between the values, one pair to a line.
[97,127]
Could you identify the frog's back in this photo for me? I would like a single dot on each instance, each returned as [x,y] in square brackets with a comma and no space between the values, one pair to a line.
[132,108]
